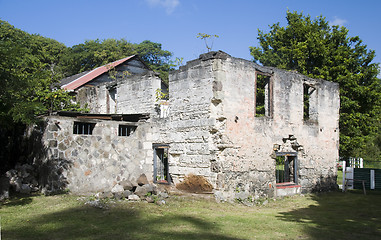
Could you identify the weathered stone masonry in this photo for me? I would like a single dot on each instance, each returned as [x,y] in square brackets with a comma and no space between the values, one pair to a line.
[211,130]
[217,134]
[99,161]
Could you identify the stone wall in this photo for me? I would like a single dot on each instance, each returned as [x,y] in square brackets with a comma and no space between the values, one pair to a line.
[189,122]
[130,95]
[217,134]
[97,162]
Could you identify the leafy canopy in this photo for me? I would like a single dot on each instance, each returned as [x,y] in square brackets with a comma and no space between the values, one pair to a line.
[29,67]
[95,53]
[316,49]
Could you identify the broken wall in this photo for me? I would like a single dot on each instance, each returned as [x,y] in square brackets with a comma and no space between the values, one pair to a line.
[189,122]
[96,162]
[131,95]
[217,134]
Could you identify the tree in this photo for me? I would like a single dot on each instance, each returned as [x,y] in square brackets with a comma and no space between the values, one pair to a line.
[29,66]
[316,49]
[155,57]
[95,53]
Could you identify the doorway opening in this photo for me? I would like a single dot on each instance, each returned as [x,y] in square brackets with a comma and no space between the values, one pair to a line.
[286,168]
[160,164]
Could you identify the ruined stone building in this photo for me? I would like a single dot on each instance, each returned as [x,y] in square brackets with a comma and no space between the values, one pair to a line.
[244,127]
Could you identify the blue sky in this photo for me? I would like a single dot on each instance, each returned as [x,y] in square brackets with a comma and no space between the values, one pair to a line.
[176,23]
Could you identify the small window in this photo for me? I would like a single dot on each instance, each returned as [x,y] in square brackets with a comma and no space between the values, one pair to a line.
[126,130]
[262,95]
[83,128]
[309,103]
[111,100]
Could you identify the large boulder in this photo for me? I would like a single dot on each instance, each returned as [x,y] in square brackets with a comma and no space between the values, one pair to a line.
[117,189]
[126,193]
[142,180]
[134,197]
[25,189]
[145,190]
[127,185]
[141,191]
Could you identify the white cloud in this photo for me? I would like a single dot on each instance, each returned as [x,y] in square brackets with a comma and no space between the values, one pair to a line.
[169,5]
[338,21]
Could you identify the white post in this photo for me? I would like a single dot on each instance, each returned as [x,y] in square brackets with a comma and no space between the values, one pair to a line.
[343,184]
[361,163]
[372,179]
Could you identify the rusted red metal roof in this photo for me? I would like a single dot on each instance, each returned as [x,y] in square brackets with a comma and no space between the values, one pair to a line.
[93,74]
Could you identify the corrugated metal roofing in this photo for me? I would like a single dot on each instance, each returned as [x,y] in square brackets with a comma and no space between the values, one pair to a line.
[80,81]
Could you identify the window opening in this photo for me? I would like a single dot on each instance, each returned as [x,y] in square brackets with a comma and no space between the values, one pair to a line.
[111,100]
[161,168]
[83,128]
[309,103]
[126,130]
[286,168]
[262,95]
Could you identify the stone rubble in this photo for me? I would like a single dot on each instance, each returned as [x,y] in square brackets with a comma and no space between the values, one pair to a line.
[22,179]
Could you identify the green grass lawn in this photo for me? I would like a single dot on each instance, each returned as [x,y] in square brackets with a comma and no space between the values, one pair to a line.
[334,215]
[339,177]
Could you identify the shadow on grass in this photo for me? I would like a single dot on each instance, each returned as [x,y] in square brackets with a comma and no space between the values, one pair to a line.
[17,199]
[126,222]
[338,215]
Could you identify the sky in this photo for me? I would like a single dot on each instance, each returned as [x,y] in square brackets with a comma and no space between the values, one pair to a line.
[176,23]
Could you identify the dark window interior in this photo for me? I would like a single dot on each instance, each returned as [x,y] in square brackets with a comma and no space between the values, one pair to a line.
[161,168]
[126,130]
[83,128]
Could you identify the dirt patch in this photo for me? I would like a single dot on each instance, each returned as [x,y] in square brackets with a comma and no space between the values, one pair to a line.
[194,184]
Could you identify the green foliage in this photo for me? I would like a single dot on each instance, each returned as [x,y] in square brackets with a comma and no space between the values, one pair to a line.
[262,81]
[156,58]
[31,65]
[95,53]
[315,49]
[28,69]
[206,37]
[160,95]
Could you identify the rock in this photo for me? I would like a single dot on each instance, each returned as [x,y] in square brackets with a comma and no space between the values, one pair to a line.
[107,194]
[134,197]
[97,204]
[160,202]
[25,189]
[117,189]
[127,185]
[163,195]
[142,180]
[126,193]
[118,196]
[219,196]
[150,199]
[149,187]
[16,183]
[154,189]
[242,196]
[44,191]
[141,191]
[11,173]
[4,188]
